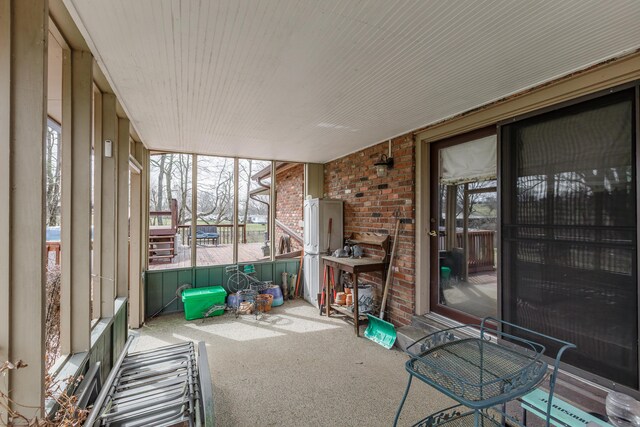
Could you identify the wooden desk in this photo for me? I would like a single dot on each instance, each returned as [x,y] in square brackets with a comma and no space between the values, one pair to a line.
[354,266]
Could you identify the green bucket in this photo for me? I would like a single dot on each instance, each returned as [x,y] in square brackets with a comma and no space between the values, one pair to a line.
[445,274]
[381,332]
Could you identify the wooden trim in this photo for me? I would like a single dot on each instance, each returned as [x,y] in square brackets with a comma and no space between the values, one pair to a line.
[134,164]
[423,220]
[594,79]
[54,31]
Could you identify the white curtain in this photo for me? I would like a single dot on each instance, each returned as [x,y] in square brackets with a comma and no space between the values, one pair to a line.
[472,161]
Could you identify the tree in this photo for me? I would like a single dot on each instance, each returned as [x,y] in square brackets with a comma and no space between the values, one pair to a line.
[160,192]
[53,185]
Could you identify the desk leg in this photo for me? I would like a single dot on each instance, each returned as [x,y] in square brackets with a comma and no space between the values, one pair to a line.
[327,295]
[356,314]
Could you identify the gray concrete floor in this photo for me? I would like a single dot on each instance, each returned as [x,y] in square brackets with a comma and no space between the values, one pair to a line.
[292,367]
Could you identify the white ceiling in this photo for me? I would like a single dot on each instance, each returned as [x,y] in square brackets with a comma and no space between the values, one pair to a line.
[312,80]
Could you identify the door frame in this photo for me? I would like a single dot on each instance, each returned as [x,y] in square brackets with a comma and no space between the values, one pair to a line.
[433,201]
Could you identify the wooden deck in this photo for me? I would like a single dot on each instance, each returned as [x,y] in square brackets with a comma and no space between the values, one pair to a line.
[213,255]
[477,296]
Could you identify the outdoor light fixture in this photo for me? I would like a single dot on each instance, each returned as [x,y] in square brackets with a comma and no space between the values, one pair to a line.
[385,162]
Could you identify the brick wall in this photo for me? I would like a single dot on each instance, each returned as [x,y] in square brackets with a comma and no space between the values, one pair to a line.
[289,202]
[370,202]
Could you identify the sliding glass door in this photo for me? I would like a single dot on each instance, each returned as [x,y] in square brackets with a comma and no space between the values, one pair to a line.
[569,227]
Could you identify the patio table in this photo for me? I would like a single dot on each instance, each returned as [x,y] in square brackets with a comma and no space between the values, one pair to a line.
[480,372]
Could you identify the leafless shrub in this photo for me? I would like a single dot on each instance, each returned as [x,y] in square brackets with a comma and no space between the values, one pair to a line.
[52,317]
[67,415]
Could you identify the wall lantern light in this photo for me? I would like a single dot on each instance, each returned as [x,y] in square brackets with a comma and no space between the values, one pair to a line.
[385,162]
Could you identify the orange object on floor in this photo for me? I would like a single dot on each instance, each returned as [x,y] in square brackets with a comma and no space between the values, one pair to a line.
[263,302]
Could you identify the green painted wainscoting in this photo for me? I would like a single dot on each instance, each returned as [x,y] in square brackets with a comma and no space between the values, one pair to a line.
[160,285]
[110,336]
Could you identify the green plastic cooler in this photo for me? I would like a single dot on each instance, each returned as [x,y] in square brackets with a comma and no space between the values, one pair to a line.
[197,302]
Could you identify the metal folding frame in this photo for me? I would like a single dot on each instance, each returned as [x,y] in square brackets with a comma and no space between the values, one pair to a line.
[159,387]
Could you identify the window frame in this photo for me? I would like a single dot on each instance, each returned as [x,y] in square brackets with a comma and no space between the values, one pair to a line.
[194,204]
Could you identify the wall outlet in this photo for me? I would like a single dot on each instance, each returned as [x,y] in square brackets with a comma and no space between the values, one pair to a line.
[395,269]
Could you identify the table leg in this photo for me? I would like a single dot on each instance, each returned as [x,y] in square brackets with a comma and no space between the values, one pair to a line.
[356,314]
[327,294]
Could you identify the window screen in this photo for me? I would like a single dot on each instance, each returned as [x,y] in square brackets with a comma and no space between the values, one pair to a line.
[569,232]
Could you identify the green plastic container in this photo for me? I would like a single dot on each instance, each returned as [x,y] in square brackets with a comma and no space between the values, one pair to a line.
[445,274]
[197,302]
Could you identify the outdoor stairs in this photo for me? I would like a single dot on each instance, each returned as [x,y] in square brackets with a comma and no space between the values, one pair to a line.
[161,248]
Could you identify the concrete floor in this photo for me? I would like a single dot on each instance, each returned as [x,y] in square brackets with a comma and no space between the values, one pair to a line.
[294,368]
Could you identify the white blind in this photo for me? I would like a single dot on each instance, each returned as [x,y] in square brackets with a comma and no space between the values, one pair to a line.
[472,161]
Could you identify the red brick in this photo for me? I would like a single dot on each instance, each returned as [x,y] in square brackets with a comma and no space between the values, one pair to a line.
[399,195]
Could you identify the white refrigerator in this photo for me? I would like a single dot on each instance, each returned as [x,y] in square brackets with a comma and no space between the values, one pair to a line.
[317,239]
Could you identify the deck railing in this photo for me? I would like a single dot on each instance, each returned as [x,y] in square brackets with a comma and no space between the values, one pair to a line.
[224,230]
[480,244]
[53,253]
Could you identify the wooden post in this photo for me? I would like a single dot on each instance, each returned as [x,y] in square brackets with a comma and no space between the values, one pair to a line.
[235,211]
[23,89]
[75,299]
[108,204]
[313,180]
[98,145]
[122,209]
[465,233]
[144,249]
[194,209]
[272,212]
[135,318]
[450,217]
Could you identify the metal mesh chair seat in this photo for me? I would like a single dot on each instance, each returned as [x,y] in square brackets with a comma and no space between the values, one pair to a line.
[477,372]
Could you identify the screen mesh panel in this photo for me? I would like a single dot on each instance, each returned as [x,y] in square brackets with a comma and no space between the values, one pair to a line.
[569,231]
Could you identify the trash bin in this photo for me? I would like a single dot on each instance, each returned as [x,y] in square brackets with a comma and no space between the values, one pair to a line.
[445,274]
[197,302]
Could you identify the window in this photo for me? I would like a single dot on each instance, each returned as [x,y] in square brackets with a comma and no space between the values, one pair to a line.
[289,208]
[254,204]
[214,235]
[169,210]
[53,175]
[569,231]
